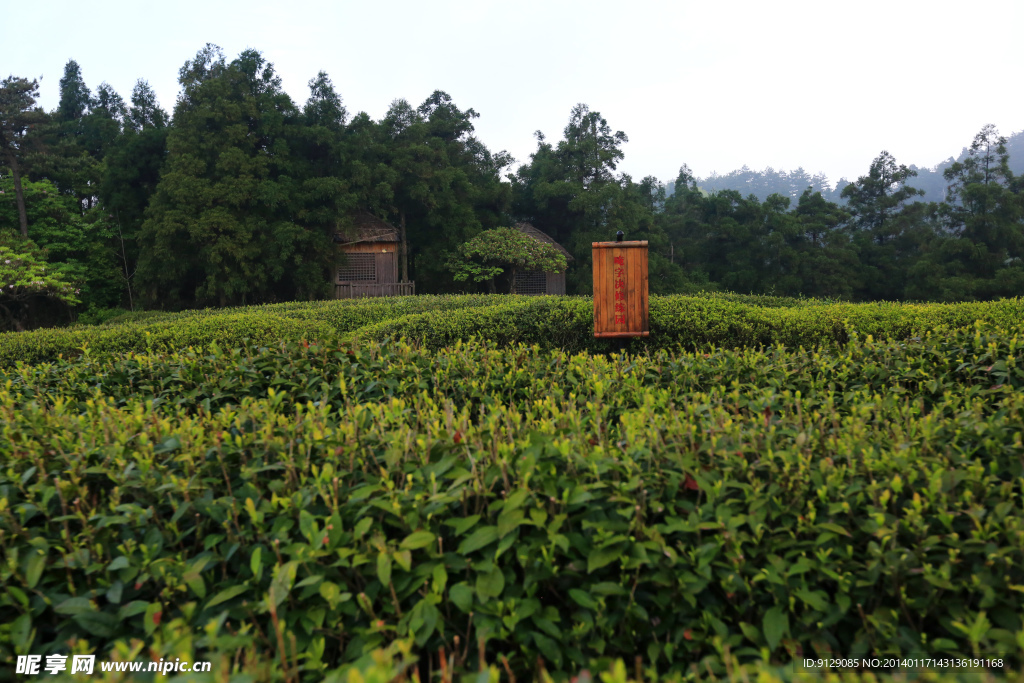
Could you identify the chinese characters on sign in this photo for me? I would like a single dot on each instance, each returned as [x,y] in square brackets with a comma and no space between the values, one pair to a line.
[620,290]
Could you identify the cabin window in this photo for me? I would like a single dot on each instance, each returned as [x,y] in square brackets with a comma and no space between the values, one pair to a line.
[358,267]
[531,283]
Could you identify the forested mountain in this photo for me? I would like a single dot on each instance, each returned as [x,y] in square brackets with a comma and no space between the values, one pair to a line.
[234,198]
[934,185]
[791,184]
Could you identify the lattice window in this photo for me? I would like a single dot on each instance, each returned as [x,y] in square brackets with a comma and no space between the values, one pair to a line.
[358,267]
[531,283]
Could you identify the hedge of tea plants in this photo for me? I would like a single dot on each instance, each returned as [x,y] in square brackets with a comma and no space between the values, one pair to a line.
[162,331]
[311,503]
[565,323]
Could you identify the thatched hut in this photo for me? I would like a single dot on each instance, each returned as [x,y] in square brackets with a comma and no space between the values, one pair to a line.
[370,263]
[538,282]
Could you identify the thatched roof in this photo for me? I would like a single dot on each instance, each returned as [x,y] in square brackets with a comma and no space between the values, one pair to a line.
[365,227]
[541,237]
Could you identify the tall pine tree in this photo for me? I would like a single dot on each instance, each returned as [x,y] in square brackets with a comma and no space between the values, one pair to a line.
[220,228]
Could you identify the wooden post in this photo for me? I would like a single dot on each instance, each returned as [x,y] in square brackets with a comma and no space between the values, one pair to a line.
[620,290]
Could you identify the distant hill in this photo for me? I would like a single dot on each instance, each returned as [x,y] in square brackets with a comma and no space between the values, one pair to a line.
[792,184]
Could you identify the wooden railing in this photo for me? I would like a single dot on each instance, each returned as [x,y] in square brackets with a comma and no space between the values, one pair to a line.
[353,290]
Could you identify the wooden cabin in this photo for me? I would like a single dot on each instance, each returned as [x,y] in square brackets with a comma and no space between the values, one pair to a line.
[538,282]
[370,263]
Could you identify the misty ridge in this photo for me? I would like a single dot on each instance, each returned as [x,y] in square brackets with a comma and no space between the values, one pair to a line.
[763,184]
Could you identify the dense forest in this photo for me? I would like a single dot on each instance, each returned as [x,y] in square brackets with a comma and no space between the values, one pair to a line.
[233,198]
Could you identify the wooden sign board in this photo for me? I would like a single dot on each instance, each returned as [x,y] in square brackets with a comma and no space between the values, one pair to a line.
[620,289]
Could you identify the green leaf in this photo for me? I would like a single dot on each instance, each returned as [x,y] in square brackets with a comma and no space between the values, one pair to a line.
[362,526]
[35,564]
[98,624]
[149,621]
[384,568]
[944,645]
[404,559]
[429,617]
[516,499]
[21,631]
[226,595]
[462,595]
[463,524]
[334,529]
[547,626]
[549,648]
[74,606]
[196,583]
[330,592]
[170,443]
[834,528]
[131,609]
[491,584]
[28,474]
[283,582]
[417,540]
[579,494]
[509,520]
[18,595]
[583,599]
[120,562]
[815,599]
[776,625]
[599,557]
[751,632]
[478,539]
[256,562]
[440,578]
[308,527]
[310,580]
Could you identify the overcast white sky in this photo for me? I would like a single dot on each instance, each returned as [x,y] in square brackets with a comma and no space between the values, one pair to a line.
[823,85]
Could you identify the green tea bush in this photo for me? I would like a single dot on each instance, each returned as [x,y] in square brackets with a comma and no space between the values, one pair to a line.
[781,503]
[714,320]
[231,327]
[97,316]
[763,300]
[688,322]
[553,322]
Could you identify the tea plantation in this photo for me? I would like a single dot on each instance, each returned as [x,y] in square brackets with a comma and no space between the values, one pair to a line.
[330,490]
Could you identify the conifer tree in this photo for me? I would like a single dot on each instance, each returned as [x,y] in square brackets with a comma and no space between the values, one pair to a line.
[18,115]
[220,228]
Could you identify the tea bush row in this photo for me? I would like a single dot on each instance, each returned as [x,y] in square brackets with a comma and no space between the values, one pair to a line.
[484,375]
[552,322]
[780,503]
[690,322]
[231,327]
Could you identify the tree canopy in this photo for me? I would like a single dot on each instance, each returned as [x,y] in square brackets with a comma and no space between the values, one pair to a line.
[504,251]
[236,198]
